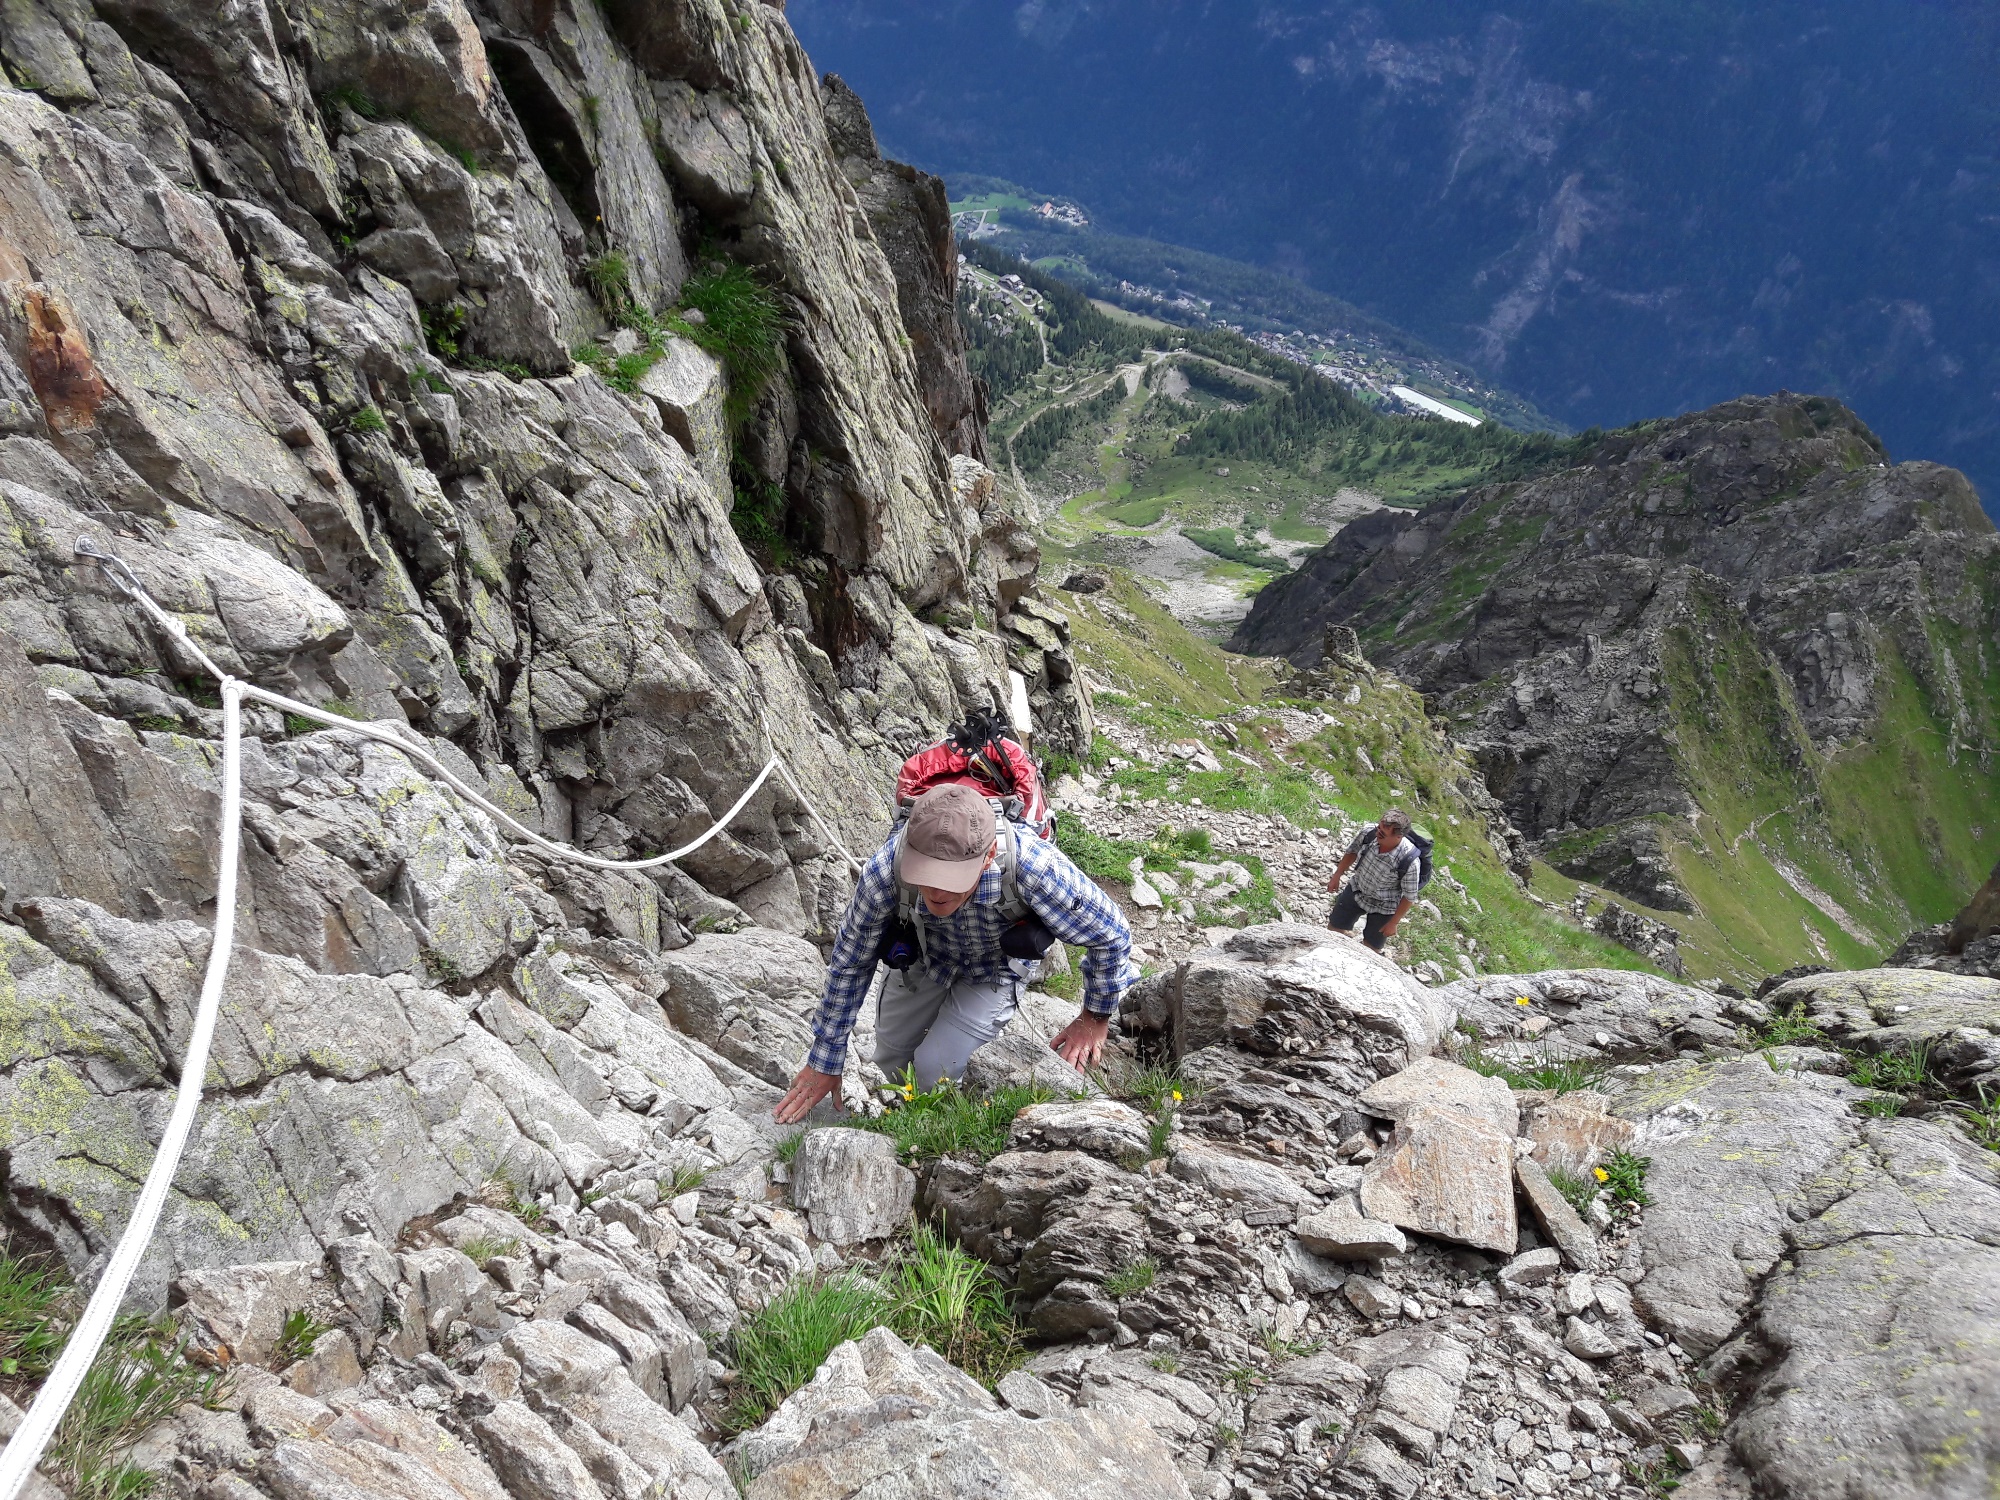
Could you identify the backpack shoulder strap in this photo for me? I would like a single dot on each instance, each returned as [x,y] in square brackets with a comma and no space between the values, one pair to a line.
[909,906]
[1012,905]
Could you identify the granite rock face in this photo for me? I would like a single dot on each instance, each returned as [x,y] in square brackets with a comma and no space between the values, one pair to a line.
[528,563]
[287,309]
[883,1418]
[1749,587]
[911,217]
[1814,1254]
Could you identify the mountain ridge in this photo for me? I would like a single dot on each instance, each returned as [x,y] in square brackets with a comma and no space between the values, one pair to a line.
[1717,640]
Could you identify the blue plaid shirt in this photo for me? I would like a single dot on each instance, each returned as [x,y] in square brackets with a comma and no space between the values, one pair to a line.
[966,944]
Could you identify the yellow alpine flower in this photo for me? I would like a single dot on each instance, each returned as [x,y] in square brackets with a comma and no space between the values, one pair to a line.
[1522,1000]
[1600,1174]
[1177,1096]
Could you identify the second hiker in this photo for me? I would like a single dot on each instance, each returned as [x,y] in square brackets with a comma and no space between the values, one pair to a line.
[962,898]
[1388,873]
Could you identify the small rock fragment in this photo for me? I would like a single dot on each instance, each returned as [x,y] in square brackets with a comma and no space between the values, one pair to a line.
[1026,1394]
[1587,1340]
[1658,1402]
[1629,1421]
[1589,1414]
[851,1186]
[1447,1174]
[1372,1299]
[1339,1232]
[1558,1220]
[1532,1268]
[1578,1295]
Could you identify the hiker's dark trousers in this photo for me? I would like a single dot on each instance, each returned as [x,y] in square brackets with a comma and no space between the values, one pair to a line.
[1347,911]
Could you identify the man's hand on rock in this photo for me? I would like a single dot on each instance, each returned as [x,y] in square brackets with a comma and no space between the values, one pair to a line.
[807,1089]
[1081,1043]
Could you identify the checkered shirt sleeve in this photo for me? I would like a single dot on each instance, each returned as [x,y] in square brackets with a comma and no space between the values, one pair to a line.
[1078,912]
[850,968]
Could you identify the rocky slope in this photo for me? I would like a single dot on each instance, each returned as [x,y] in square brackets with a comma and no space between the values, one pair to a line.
[364,336]
[289,310]
[1347,1298]
[367,337]
[1692,668]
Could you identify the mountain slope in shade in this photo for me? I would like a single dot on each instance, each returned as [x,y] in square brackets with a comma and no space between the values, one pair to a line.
[1618,209]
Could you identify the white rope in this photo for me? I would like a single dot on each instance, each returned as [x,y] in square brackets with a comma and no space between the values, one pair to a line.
[24,1450]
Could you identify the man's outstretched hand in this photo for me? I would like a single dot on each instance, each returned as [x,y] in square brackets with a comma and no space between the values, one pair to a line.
[807,1090]
[1081,1043]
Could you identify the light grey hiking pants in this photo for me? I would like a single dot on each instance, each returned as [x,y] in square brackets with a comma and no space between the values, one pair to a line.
[937,1026]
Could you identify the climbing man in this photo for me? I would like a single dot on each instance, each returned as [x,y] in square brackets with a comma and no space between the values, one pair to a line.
[962,899]
[1388,874]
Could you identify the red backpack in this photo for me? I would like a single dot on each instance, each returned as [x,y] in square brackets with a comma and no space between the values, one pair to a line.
[979,754]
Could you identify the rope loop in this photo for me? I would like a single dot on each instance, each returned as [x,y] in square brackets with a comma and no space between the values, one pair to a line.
[24,1450]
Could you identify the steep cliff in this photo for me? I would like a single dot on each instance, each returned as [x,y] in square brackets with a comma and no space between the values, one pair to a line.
[289,308]
[1736,664]
[312,316]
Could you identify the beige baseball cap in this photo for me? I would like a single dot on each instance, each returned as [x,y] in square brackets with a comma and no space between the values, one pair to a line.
[947,839]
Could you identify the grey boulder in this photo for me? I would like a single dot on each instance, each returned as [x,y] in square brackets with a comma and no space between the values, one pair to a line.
[1846,1268]
[850,1185]
[881,1419]
[1277,986]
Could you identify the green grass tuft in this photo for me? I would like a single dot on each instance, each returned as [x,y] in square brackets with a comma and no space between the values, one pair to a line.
[1156,1087]
[931,1293]
[943,1297]
[368,419]
[1131,1280]
[1559,1075]
[301,1330]
[444,330]
[609,278]
[787,1150]
[743,325]
[507,1189]
[689,1179]
[354,99]
[1906,1070]
[29,1339]
[1789,1029]
[781,1346]
[1577,1189]
[487,1248]
[947,1121]
[141,1376]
